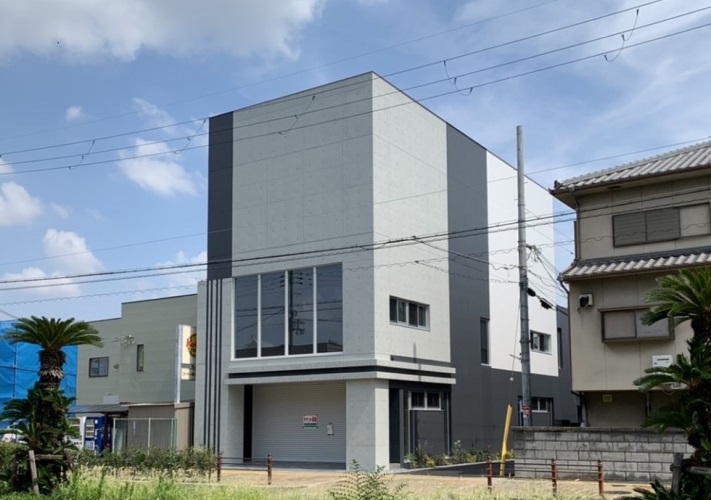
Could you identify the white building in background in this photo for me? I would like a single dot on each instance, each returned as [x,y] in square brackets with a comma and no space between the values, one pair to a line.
[362,295]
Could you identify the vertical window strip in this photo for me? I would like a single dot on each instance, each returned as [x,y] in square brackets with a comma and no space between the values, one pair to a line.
[315,307]
[259,315]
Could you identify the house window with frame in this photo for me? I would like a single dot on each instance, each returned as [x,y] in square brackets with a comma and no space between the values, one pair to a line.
[663,224]
[99,367]
[540,342]
[626,324]
[408,313]
[422,400]
[139,357]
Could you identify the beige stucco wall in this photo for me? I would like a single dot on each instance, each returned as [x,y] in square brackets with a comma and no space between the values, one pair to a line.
[613,366]
[595,215]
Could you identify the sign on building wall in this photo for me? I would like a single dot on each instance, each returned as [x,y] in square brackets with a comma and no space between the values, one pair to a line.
[188,350]
[310,421]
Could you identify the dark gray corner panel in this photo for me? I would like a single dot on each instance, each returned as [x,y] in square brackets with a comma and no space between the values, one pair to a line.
[219,205]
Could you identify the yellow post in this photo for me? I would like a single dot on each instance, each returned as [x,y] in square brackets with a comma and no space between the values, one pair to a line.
[504,443]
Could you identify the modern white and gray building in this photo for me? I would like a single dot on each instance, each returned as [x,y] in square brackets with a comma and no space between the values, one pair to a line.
[362,296]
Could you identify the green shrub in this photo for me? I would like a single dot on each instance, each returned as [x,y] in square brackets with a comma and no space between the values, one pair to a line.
[139,462]
[358,484]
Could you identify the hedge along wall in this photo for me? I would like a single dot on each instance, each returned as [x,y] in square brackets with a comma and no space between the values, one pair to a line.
[627,454]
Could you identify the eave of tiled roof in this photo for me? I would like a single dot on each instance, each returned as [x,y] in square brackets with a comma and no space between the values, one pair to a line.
[616,266]
[695,157]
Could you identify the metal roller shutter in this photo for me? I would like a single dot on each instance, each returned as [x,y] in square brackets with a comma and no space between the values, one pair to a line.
[278,425]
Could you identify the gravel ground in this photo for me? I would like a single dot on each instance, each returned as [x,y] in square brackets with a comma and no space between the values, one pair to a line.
[318,483]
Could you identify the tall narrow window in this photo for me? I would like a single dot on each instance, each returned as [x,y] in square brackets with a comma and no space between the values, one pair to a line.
[246,316]
[273,314]
[484,340]
[560,348]
[139,357]
[329,286]
[301,311]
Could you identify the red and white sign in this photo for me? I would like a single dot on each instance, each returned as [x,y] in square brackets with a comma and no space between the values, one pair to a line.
[310,421]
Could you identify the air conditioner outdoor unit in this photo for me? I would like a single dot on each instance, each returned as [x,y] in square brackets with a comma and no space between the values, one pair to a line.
[662,360]
[585,300]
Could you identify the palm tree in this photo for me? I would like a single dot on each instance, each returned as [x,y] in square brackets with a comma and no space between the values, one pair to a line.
[678,298]
[51,335]
[683,297]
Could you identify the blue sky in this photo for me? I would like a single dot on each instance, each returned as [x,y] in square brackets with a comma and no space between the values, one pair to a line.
[91,76]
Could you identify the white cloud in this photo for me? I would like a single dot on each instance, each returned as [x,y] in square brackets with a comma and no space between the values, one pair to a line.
[188,277]
[5,167]
[61,210]
[73,113]
[157,171]
[70,252]
[16,205]
[89,29]
[62,287]
[155,116]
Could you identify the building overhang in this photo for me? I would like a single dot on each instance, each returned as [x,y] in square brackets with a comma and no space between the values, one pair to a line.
[637,264]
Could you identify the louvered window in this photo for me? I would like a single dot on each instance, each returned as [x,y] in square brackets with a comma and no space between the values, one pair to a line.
[646,227]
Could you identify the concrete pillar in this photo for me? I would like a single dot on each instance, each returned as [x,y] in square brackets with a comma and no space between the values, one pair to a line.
[232,421]
[367,423]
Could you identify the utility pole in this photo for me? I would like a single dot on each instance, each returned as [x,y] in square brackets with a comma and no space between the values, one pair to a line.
[523,285]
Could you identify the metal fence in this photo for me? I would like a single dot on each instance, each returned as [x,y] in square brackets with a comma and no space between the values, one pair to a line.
[144,433]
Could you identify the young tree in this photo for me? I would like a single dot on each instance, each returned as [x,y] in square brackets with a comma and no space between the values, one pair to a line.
[51,335]
[40,419]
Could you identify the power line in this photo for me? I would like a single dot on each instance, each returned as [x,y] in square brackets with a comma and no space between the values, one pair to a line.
[298,96]
[302,71]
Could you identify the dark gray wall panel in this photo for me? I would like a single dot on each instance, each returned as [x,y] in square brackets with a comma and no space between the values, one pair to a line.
[219,204]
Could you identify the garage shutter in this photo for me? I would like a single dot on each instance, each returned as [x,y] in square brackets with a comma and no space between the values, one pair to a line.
[278,424]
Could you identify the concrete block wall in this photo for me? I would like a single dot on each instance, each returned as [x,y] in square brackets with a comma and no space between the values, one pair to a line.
[627,454]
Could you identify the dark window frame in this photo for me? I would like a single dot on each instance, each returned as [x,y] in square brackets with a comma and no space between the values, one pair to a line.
[101,362]
[140,357]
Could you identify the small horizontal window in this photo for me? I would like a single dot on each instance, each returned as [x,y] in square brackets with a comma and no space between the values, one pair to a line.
[405,312]
[627,324]
[420,400]
[99,367]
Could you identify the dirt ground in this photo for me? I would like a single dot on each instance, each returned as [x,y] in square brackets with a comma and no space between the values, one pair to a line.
[318,483]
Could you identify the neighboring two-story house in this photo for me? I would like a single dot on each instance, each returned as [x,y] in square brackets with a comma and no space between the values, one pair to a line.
[139,374]
[634,223]
[362,295]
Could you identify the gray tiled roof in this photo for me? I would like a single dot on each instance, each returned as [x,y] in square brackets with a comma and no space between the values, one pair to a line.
[636,264]
[679,160]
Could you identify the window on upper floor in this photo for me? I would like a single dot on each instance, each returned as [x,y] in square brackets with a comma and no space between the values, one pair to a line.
[663,224]
[540,342]
[288,313]
[99,367]
[405,312]
[139,357]
[626,324]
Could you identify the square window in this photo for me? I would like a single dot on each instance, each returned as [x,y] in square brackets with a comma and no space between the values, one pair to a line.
[99,367]
[404,312]
[417,400]
[540,342]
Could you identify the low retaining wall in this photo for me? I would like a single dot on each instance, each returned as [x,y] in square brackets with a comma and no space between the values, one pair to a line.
[629,454]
